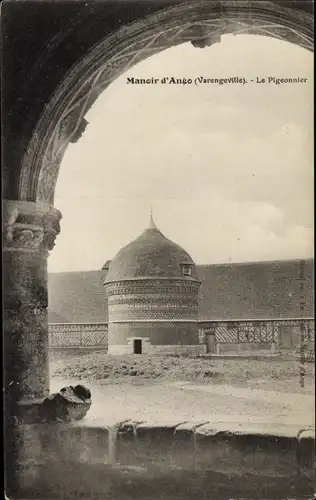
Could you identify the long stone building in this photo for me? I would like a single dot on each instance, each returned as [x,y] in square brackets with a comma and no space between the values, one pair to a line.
[153,298]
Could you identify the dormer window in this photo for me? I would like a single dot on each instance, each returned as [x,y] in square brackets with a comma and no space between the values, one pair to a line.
[106,266]
[186,269]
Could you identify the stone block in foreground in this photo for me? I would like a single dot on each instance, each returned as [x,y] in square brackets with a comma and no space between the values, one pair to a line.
[86,459]
[183,449]
[52,453]
[126,449]
[70,403]
[145,444]
[234,450]
[242,451]
[306,452]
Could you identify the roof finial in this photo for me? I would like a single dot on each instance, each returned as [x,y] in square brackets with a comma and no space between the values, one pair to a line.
[152,224]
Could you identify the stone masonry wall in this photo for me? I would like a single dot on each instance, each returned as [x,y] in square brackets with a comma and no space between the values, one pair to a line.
[152,299]
[148,348]
[155,336]
[158,311]
[80,459]
[72,335]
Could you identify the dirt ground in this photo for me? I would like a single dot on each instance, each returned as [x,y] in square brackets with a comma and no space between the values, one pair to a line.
[260,392]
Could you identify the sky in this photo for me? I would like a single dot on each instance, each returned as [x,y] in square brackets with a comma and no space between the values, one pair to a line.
[228,169]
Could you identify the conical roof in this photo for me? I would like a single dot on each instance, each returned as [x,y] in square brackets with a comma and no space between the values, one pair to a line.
[150,255]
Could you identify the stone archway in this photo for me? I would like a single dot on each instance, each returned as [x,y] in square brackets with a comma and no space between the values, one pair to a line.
[200,22]
[31,224]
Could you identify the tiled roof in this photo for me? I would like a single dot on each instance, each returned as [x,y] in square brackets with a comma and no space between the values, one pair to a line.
[78,296]
[256,290]
[151,254]
[56,318]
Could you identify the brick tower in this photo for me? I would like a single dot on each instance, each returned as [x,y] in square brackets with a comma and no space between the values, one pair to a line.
[152,289]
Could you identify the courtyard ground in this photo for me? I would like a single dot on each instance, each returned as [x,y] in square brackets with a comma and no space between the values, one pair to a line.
[256,391]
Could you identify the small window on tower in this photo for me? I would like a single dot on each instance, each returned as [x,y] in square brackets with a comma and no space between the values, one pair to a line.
[186,269]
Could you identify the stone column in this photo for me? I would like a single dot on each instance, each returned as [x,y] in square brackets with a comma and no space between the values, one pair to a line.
[29,231]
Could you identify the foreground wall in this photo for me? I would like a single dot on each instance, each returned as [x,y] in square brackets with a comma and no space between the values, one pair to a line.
[156,337]
[221,337]
[258,336]
[76,335]
[175,460]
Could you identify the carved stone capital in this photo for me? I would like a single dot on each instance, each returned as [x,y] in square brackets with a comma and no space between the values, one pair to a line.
[29,226]
[51,227]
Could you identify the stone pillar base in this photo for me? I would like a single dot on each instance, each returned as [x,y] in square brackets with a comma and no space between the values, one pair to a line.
[29,231]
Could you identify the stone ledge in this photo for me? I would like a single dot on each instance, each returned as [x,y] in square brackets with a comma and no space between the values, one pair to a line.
[229,449]
[73,441]
[77,480]
[245,452]
[58,447]
[306,453]
[55,452]
[152,444]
